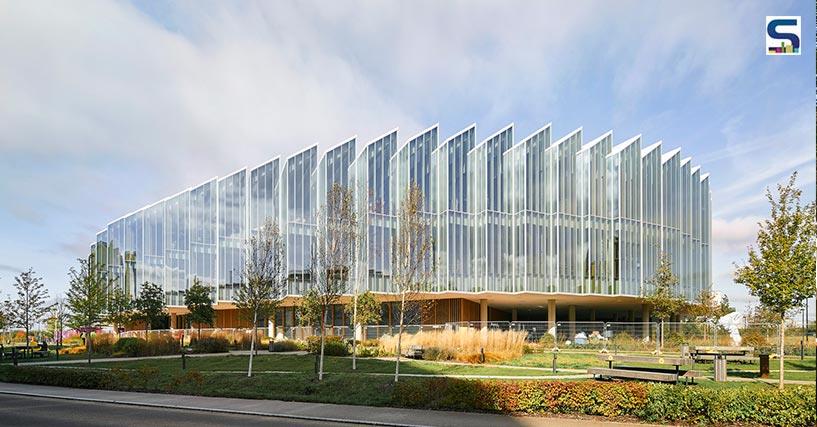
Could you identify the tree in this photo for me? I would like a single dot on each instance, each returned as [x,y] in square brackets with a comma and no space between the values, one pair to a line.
[150,305]
[120,309]
[334,254]
[412,262]
[663,300]
[30,306]
[780,270]
[58,316]
[709,306]
[365,309]
[264,283]
[87,298]
[198,302]
[5,308]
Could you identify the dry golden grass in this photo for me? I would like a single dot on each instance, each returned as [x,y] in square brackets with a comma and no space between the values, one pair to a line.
[463,344]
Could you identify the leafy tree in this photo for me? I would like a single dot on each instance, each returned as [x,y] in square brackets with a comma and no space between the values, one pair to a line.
[264,281]
[87,298]
[365,309]
[150,305]
[120,309]
[58,317]
[663,300]
[309,309]
[412,263]
[200,305]
[30,305]
[333,255]
[780,271]
[368,309]
[709,306]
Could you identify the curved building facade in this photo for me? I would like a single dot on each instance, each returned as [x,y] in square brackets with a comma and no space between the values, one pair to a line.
[522,226]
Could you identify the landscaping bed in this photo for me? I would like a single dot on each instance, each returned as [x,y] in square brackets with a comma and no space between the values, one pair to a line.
[713,403]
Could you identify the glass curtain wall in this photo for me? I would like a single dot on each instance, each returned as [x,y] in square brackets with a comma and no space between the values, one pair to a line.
[370,174]
[491,215]
[624,172]
[534,216]
[203,232]
[651,174]
[232,232]
[595,242]
[454,221]
[524,172]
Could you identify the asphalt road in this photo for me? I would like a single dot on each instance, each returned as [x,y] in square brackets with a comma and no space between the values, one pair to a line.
[48,412]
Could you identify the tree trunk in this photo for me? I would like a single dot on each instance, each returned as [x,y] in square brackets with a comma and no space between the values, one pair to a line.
[323,332]
[354,333]
[400,337]
[88,344]
[252,342]
[781,351]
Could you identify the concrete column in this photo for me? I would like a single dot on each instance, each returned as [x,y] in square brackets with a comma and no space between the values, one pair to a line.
[592,314]
[552,317]
[645,322]
[571,317]
[483,313]
[513,315]
[271,327]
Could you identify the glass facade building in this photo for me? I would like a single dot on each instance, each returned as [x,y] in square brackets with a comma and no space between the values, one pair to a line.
[537,215]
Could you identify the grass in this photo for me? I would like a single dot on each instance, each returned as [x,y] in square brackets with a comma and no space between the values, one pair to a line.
[306,365]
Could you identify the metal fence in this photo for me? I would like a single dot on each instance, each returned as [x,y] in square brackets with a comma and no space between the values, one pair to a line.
[612,336]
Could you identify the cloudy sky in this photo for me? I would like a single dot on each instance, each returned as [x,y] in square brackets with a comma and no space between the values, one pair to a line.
[108,106]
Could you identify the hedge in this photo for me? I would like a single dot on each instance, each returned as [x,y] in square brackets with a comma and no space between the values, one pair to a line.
[794,406]
[333,345]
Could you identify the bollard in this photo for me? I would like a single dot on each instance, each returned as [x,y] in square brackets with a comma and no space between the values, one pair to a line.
[801,349]
[184,360]
[554,362]
[14,355]
[764,366]
[481,355]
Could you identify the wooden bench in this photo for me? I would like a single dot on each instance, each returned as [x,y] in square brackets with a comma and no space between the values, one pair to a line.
[637,374]
[728,357]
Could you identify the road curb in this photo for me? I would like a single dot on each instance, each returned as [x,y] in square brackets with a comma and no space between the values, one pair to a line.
[213,410]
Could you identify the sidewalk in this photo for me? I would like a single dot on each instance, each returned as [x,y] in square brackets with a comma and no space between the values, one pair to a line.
[383,416]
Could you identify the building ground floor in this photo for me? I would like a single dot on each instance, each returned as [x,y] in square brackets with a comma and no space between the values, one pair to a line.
[439,309]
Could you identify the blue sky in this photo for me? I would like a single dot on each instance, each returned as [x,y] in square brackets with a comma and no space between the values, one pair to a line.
[108,106]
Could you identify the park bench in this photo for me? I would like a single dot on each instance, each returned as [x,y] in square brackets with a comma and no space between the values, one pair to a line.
[636,374]
[720,355]
[643,373]
[415,352]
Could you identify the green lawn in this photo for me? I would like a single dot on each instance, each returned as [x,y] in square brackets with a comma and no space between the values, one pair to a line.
[306,365]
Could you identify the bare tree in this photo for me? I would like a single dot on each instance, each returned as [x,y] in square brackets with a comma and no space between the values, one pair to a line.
[334,254]
[412,263]
[264,283]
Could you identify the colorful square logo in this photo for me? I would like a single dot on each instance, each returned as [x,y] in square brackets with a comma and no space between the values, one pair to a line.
[783,35]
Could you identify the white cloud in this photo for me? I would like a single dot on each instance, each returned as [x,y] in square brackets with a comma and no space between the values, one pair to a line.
[734,234]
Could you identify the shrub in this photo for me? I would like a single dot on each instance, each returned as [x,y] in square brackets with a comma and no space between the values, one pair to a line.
[547,341]
[333,345]
[286,345]
[213,344]
[102,344]
[465,344]
[437,353]
[162,344]
[368,351]
[651,402]
[131,347]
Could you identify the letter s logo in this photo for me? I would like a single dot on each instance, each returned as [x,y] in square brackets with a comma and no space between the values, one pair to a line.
[772,30]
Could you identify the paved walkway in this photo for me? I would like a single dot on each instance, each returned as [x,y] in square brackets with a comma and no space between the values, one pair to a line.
[297,410]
